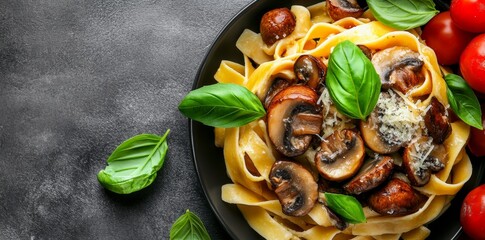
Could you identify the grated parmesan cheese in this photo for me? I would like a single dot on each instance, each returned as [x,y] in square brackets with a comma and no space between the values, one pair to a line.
[398,123]
[332,119]
[422,150]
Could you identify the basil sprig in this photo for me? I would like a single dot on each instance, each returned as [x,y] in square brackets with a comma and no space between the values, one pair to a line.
[188,227]
[463,101]
[222,105]
[346,206]
[352,81]
[134,164]
[403,14]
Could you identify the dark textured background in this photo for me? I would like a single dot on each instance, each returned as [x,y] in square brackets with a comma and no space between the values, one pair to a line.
[76,79]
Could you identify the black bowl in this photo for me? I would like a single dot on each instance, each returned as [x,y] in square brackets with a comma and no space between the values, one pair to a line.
[209,160]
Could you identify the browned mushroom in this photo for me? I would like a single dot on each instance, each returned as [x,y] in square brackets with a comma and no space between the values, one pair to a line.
[390,125]
[338,9]
[396,198]
[421,158]
[340,155]
[436,121]
[372,174]
[367,51]
[293,118]
[373,138]
[311,71]
[399,68]
[336,220]
[295,187]
[277,24]
[277,85]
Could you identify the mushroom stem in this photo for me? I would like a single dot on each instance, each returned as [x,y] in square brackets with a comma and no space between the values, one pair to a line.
[307,123]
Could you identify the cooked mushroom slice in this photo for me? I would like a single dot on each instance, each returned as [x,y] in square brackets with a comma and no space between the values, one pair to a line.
[295,187]
[336,220]
[338,9]
[276,24]
[340,155]
[373,173]
[422,158]
[436,121]
[373,138]
[311,71]
[396,198]
[390,125]
[293,119]
[277,85]
[367,51]
[399,68]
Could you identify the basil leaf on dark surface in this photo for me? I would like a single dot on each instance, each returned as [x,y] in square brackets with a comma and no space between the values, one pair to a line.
[133,165]
[403,15]
[346,206]
[463,101]
[188,227]
[352,81]
[222,105]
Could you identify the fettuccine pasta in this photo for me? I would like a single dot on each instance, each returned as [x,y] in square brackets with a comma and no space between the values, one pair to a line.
[249,154]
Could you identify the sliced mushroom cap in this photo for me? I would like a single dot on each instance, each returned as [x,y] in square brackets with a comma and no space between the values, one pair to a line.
[396,198]
[390,125]
[311,71]
[277,24]
[421,158]
[338,9]
[399,68]
[373,137]
[340,155]
[277,85]
[295,187]
[373,173]
[436,121]
[293,118]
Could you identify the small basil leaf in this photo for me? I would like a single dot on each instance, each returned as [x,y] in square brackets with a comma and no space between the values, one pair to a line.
[222,105]
[352,81]
[133,165]
[345,206]
[403,15]
[188,227]
[463,101]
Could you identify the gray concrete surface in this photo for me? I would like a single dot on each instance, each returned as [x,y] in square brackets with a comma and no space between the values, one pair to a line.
[76,79]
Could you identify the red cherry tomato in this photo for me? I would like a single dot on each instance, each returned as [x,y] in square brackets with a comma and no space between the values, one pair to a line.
[476,142]
[445,38]
[472,63]
[469,15]
[472,215]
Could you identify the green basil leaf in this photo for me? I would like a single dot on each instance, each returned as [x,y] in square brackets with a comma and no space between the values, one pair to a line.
[188,227]
[463,101]
[404,14]
[352,81]
[134,164]
[346,206]
[222,105]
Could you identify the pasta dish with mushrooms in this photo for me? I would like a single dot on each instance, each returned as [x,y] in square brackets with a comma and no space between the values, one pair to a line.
[403,162]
